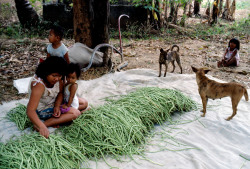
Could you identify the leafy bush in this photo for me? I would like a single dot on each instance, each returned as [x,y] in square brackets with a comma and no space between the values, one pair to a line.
[236,29]
[243,4]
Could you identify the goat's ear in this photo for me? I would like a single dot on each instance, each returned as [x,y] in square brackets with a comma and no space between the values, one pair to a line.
[161,50]
[194,69]
[205,71]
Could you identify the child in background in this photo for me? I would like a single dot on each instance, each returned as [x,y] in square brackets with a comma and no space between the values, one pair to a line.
[57,48]
[231,56]
[70,98]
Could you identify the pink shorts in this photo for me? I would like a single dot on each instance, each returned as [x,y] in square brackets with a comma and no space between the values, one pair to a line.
[64,110]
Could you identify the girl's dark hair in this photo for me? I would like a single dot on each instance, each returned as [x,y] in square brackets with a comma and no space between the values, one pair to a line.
[235,41]
[51,65]
[74,67]
[58,31]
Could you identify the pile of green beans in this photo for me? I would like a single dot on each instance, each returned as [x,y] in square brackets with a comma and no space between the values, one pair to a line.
[34,151]
[18,116]
[120,127]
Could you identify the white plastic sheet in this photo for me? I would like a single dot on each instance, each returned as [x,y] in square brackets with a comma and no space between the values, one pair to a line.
[219,143]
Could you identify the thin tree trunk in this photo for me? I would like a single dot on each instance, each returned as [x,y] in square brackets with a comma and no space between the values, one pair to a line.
[215,12]
[232,11]
[175,17]
[166,10]
[226,10]
[185,7]
[26,14]
[208,9]
[183,19]
[227,4]
[161,9]
[189,9]
[172,8]
[220,8]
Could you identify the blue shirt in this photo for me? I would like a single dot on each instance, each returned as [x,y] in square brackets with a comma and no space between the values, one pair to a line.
[60,52]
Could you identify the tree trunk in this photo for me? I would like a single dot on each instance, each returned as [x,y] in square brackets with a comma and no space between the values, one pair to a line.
[171,13]
[189,9]
[196,8]
[175,17]
[227,4]
[183,19]
[166,11]
[232,11]
[185,7]
[220,8]
[226,10]
[26,14]
[215,12]
[208,9]
[100,33]
[161,15]
[91,23]
[83,16]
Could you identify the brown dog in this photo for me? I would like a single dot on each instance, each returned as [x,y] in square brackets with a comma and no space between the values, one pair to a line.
[210,89]
[166,57]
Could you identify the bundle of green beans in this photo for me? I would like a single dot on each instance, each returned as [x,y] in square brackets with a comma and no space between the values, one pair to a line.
[117,128]
[34,151]
[120,127]
[18,116]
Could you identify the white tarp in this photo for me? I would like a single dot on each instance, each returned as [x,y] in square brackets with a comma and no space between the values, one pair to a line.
[81,54]
[219,143]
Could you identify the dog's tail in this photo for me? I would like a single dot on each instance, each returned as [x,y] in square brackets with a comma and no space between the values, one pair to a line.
[176,47]
[246,94]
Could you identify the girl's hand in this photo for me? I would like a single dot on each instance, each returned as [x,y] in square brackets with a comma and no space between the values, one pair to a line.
[64,106]
[44,131]
[57,112]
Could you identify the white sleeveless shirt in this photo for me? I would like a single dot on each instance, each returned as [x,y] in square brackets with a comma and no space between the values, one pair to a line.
[75,102]
[229,54]
[49,95]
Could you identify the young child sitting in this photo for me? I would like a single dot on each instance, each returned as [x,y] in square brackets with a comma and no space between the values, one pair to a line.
[70,98]
[231,56]
[57,48]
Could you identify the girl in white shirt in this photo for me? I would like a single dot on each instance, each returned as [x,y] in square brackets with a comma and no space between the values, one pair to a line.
[46,96]
[231,56]
[70,90]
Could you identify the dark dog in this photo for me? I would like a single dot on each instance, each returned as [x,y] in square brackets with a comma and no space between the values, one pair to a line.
[210,89]
[169,56]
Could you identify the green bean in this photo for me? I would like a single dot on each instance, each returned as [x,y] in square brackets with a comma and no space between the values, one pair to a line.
[18,116]
[248,159]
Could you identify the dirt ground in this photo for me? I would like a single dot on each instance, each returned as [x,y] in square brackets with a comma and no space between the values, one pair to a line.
[19,58]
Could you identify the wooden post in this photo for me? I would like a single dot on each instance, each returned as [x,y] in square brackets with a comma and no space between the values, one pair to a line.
[91,23]
[82,22]
[100,33]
